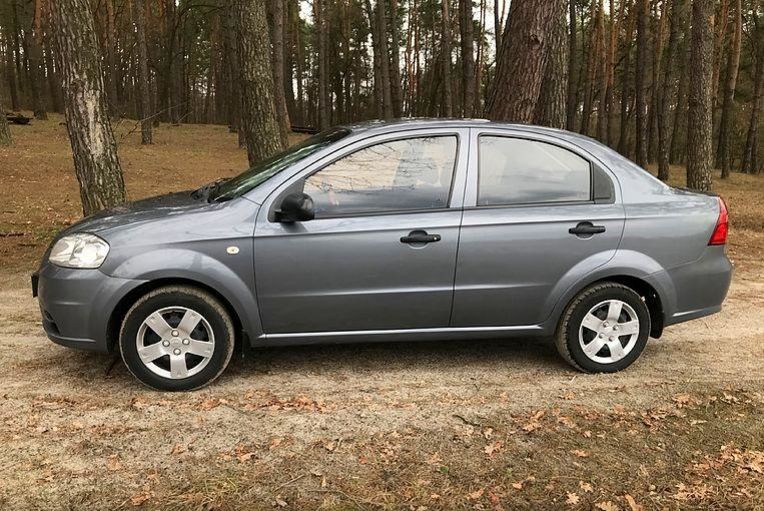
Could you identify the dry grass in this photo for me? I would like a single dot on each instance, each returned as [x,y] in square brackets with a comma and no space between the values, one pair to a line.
[471,425]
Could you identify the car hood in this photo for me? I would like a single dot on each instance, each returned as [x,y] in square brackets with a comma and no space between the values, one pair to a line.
[132,213]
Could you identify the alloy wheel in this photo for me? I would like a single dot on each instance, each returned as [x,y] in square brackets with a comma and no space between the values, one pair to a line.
[609,331]
[175,342]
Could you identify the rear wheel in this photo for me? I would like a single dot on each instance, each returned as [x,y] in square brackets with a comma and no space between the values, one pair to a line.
[177,338]
[604,329]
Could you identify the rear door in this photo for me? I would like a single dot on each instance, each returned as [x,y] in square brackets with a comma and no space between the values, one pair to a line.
[539,214]
[381,252]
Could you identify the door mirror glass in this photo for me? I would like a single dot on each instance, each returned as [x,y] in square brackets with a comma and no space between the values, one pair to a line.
[296,207]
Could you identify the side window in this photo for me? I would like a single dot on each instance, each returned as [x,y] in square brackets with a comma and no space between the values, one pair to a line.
[520,171]
[414,173]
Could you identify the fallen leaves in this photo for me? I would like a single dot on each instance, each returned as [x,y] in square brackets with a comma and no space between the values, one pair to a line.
[493,448]
[572,498]
[113,464]
[580,453]
[607,506]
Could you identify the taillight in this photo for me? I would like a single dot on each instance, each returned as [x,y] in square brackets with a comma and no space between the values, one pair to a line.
[719,237]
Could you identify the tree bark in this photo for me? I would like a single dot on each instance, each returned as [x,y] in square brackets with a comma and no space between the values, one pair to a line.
[5,131]
[258,112]
[10,70]
[749,164]
[395,62]
[448,94]
[550,109]
[277,42]
[700,119]
[33,45]
[723,154]
[640,72]
[324,119]
[666,90]
[520,70]
[572,100]
[96,163]
[144,80]
[468,57]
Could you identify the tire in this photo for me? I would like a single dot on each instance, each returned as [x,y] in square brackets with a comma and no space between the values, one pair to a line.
[586,336]
[157,346]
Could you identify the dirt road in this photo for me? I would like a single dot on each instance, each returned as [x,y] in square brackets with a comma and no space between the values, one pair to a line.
[365,426]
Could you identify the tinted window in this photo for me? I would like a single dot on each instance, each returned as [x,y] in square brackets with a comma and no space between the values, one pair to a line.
[517,171]
[399,175]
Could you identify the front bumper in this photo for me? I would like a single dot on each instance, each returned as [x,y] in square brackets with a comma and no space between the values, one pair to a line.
[76,305]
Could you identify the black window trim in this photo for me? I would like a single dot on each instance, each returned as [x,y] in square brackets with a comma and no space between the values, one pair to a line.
[523,136]
[403,136]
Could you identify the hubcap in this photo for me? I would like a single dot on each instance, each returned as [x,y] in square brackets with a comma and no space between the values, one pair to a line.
[175,342]
[609,331]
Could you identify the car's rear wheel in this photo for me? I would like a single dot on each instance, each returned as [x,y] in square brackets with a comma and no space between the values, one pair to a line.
[604,329]
[177,338]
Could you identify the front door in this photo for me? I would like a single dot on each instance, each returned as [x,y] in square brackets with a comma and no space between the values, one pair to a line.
[381,251]
[539,215]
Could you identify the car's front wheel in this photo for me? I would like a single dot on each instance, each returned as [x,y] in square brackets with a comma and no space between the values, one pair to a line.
[177,338]
[604,329]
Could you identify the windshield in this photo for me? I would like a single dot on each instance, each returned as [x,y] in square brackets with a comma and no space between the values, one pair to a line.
[264,170]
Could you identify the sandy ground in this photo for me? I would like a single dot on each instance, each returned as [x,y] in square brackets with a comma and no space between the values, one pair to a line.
[467,425]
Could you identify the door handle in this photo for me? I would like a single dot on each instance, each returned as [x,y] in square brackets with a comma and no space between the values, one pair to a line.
[586,229]
[420,237]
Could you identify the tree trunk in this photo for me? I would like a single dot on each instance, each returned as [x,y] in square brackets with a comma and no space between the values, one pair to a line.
[572,100]
[93,147]
[33,42]
[10,70]
[679,128]
[323,72]
[550,109]
[666,90]
[448,94]
[640,72]
[144,84]
[468,57]
[749,164]
[5,131]
[498,20]
[520,71]
[723,154]
[700,119]
[395,62]
[258,111]
[112,72]
[277,41]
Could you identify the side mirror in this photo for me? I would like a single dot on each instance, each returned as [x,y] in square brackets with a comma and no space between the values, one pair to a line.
[296,207]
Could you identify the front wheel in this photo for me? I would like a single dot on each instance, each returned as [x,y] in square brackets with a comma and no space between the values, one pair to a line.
[604,329]
[177,338]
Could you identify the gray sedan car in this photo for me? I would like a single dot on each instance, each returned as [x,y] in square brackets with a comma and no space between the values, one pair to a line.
[410,230]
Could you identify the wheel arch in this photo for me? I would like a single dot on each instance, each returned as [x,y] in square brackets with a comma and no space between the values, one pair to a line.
[120,310]
[649,294]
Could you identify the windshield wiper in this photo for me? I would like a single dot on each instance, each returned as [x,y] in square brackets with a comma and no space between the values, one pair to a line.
[206,191]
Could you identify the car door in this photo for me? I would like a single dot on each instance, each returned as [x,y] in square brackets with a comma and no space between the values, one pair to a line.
[539,214]
[380,253]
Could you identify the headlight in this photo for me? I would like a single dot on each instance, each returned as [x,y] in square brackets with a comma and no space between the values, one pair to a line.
[79,251]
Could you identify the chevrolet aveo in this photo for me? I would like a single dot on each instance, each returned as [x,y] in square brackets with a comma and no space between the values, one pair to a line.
[411,230]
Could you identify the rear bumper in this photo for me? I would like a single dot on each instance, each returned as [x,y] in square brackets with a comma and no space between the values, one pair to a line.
[699,288]
[76,305]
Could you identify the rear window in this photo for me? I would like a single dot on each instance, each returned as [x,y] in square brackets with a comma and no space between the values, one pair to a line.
[521,171]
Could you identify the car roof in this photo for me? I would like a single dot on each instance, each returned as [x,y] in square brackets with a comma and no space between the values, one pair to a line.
[423,122]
